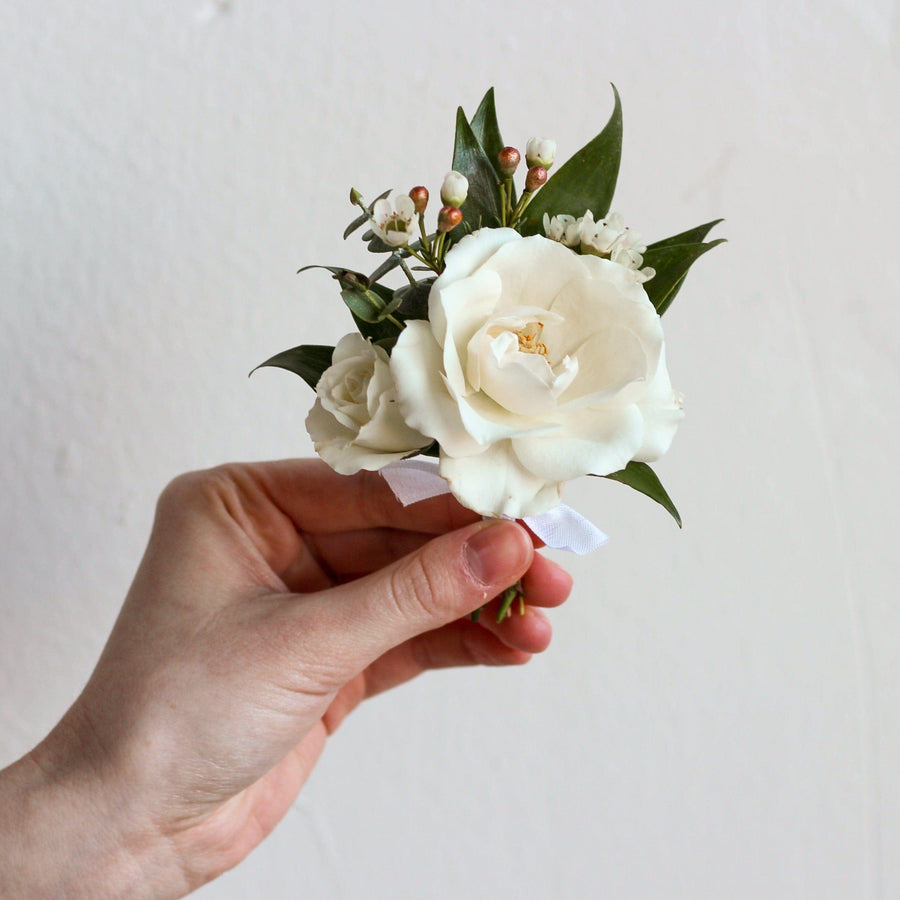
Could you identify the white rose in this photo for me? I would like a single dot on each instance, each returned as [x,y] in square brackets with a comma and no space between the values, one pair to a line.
[356,422]
[536,366]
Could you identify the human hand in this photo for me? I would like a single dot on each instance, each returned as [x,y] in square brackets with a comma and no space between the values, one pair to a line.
[271,600]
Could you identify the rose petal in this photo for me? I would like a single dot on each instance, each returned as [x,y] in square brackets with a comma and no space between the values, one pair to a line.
[533,272]
[494,484]
[424,399]
[662,409]
[595,442]
[608,362]
[466,305]
[465,257]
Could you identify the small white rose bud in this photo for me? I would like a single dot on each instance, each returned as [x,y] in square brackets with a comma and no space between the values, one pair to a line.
[540,152]
[455,189]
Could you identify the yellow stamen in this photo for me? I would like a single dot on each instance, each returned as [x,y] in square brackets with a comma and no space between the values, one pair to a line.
[528,339]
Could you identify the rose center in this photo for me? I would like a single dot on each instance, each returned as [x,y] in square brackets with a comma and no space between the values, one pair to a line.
[529,339]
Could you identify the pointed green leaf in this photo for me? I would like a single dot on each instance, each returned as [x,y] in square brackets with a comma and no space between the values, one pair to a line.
[308,361]
[671,262]
[691,236]
[642,478]
[413,299]
[358,222]
[584,182]
[376,331]
[347,278]
[487,130]
[482,206]
[387,344]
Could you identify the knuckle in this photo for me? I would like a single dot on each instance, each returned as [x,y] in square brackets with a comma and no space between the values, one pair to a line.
[204,487]
[417,589]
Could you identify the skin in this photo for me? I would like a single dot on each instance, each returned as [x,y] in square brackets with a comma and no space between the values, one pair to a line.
[271,600]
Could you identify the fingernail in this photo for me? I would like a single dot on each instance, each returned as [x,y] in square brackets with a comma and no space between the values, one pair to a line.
[498,552]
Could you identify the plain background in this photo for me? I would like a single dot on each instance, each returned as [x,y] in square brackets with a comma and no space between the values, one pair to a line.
[719,713]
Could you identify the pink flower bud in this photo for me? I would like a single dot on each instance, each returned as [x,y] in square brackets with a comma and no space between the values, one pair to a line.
[536,176]
[508,159]
[419,197]
[448,218]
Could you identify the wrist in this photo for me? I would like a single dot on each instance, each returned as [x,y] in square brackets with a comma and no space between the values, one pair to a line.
[66,831]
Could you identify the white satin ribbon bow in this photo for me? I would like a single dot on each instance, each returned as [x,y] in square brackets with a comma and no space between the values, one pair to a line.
[561,528]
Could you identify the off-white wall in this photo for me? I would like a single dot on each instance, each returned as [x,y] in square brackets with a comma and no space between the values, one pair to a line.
[719,715]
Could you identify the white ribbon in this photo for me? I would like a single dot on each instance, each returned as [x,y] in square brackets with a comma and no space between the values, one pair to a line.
[561,528]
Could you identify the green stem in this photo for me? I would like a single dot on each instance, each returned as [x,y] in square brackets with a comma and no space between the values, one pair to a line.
[425,242]
[524,200]
[510,595]
[406,271]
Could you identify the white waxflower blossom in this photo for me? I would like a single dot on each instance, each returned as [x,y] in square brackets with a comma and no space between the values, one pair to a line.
[612,239]
[536,365]
[394,220]
[540,152]
[563,228]
[455,189]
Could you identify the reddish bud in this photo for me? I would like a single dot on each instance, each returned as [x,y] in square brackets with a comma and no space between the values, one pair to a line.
[536,176]
[448,218]
[419,197]
[508,159]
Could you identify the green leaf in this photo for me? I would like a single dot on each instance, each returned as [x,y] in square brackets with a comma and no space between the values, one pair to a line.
[375,244]
[482,205]
[347,278]
[642,478]
[392,307]
[691,236]
[671,262]
[358,222]
[487,130]
[308,361]
[376,331]
[584,182]
[366,301]
[413,299]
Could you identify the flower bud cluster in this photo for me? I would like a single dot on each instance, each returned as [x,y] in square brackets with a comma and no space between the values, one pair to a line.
[395,219]
[609,238]
[539,156]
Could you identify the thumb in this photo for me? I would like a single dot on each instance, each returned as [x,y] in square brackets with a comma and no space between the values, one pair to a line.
[444,580]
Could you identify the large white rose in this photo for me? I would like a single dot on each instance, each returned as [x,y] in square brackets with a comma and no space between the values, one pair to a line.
[536,365]
[356,422]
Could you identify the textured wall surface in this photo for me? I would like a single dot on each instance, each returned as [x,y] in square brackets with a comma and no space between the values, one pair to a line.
[719,713]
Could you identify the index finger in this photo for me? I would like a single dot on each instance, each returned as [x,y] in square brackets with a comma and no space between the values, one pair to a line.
[320,501]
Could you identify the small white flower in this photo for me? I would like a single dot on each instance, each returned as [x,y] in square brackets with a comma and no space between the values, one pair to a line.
[356,422]
[540,152]
[612,239]
[455,189]
[393,220]
[563,228]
